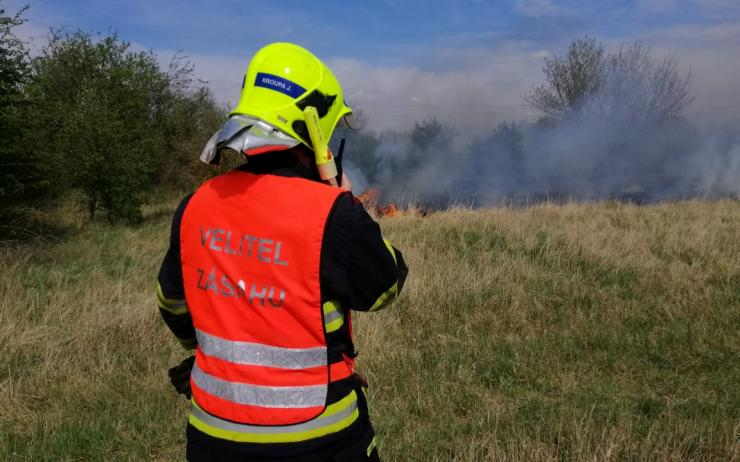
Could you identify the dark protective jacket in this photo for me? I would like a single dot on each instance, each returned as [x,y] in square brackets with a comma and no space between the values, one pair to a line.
[356,269]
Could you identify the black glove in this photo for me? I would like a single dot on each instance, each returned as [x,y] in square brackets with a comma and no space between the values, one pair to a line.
[180,376]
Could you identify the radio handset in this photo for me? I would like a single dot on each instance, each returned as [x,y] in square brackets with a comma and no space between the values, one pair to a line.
[324,159]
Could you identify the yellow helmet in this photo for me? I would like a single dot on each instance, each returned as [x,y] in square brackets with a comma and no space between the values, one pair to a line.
[284,79]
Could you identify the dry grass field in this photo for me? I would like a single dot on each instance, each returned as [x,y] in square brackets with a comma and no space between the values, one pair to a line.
[578,332]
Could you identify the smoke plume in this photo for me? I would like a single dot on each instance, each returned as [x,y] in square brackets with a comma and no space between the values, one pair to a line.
[580,158]
[626,139]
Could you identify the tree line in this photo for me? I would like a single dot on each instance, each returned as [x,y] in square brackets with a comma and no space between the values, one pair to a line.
[89,115]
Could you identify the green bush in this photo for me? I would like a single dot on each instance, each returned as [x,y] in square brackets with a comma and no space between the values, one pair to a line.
[103,115]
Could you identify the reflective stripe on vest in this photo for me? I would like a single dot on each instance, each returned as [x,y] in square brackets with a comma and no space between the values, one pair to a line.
[259,395]
[336,417]
[250,252]
[254,354]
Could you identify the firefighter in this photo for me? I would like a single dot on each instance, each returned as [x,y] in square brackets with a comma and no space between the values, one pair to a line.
[264,265]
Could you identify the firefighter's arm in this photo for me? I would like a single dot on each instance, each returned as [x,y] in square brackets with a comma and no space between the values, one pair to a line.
[174,312]
[390,295]
[360,268]
[170,288]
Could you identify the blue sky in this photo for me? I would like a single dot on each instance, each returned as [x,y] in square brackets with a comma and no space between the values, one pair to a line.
[466,61]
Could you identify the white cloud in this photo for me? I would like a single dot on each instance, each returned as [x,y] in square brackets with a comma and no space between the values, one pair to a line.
[480,89]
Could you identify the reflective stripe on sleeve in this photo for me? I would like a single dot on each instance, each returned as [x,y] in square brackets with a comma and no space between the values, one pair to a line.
[336,417]
[255,354]
[387,297]
[333,316]
[373,444]
[259,395]
[175,306]
[390,249]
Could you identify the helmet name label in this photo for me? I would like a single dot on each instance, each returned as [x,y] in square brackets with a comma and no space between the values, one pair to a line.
[279,84]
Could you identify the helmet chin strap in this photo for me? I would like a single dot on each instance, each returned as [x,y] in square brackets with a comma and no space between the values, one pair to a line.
[324,159]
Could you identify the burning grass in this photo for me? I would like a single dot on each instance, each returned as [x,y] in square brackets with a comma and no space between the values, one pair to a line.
[370,199]
[576,332]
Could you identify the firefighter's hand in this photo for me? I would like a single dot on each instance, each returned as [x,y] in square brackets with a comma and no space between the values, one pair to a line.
[180,376]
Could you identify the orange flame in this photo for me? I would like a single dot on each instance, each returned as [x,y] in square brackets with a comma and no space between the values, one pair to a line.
[369,200]
[390,210]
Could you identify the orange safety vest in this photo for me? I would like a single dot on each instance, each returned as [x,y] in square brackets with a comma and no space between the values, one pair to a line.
[251,250]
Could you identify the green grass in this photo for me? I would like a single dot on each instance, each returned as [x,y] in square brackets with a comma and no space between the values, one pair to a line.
[576,332]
